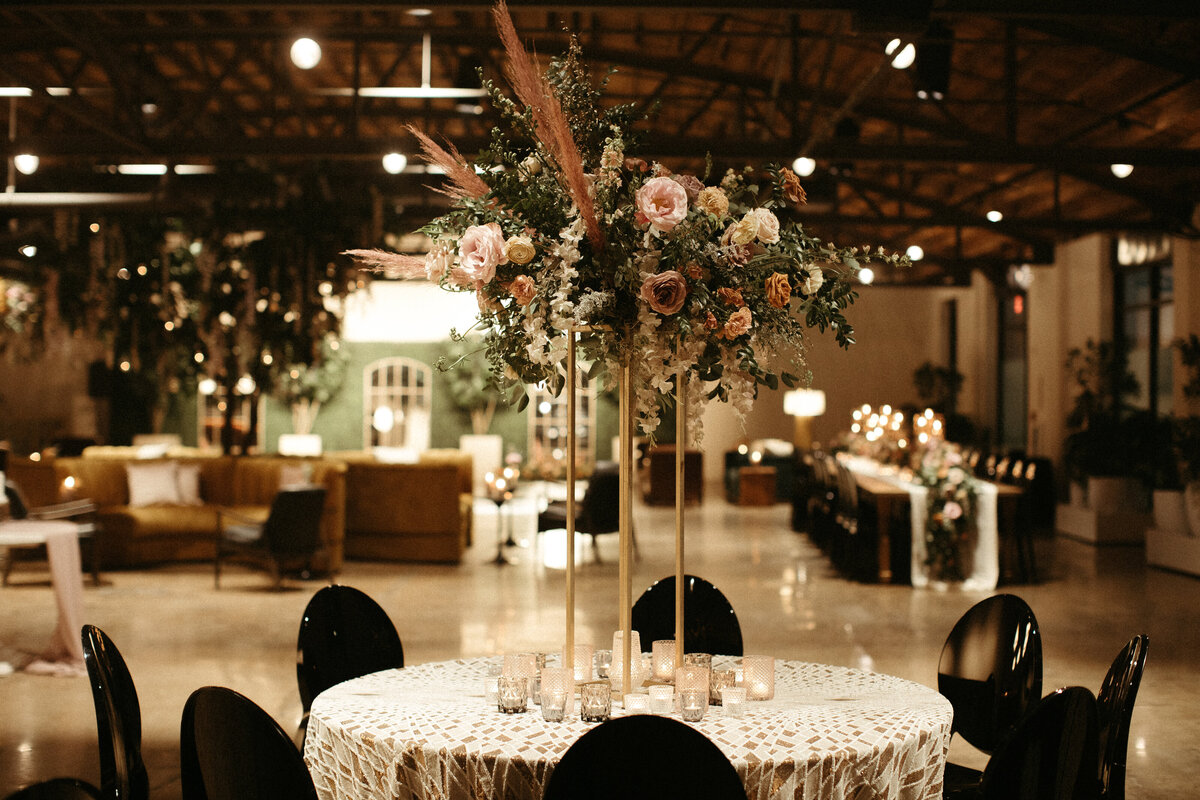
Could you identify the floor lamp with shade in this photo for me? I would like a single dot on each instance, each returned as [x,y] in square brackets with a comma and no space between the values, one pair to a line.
[804,404]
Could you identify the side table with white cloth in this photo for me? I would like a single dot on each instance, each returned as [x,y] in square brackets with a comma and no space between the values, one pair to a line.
[426,732]
[64,653]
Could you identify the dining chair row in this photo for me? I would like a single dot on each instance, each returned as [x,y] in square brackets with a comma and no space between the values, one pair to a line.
[1070,744]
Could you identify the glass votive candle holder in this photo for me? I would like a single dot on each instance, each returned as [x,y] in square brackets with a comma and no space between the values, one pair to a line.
[692,704]
[603,661]
[698,660]
[637,704]
[489,684]
[692,677]
[719,679]
[512,694]
[662,699]
[663,658]
[558,685]
[595,701]
[521,665]
[758,676]
[583,654]
[733,698]
[616,671]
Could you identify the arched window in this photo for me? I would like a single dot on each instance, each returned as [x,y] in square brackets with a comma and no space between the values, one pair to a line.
[548,427]
[397,394]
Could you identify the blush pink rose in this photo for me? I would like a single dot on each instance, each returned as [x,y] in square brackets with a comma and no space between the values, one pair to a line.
[665,292]
[663,203]
[738,323]
[481,250]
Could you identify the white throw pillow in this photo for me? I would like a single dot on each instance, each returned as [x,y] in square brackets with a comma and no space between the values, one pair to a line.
[187,477]
[153,484]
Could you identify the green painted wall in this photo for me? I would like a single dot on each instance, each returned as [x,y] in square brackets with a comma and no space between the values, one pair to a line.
[339,422]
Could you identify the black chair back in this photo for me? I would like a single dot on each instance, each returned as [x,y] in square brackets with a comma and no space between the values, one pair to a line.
[991,669]
[1115,706]
[17,507]
[599,510]
[118,719]
[643,756]
[344,634]
[709,622]
[294,525]
[1051,754]
[230,749]
[57,789]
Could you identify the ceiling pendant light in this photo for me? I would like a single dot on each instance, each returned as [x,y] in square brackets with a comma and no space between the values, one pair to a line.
[1122,170]
[26,163]
[395,163]
[306,53]
[804,166]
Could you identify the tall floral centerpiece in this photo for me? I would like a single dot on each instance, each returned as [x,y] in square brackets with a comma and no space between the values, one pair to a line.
[569,242]
[950,511]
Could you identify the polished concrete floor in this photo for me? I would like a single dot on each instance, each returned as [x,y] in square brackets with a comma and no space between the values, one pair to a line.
[177,633]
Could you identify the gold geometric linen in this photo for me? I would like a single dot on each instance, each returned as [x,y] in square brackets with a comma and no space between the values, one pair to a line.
[425,732]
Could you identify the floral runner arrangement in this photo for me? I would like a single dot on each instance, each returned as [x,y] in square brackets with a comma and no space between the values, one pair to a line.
[558,227]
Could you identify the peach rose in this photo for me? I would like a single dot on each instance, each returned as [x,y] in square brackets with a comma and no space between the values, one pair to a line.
[713,200]
[731,297]
[439,260]
[520,249]
[481,250]
[738,323]
[779,291]
[665,292]
[663,203]
[522,289]
[768,225]
[793,192]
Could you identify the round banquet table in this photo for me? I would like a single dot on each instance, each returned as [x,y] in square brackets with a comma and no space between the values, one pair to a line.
[426,732]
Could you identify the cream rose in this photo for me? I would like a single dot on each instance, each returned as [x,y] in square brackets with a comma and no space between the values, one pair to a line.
[738,323]
[768,225]
[519,250]
[779,291]
[480,251]
[439,260]
[745,230]
[713,200]
[663,203]
[522,289]
[665,292]
[813,281]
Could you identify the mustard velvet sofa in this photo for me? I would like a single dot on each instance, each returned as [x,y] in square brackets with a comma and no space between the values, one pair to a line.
[136,536]
[409,512]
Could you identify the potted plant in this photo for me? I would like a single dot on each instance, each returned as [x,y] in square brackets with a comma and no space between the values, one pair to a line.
[472,387]
[304,387]
[1096,453]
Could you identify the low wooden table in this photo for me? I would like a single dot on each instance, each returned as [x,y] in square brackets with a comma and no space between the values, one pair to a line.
[756,486]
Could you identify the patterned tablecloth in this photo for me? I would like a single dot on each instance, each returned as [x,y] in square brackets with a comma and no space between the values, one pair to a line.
[425,732]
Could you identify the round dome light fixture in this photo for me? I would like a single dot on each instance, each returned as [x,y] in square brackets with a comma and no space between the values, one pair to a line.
[994,216]
[26,163]
[394,163]
[1121,170]
[866,276]
[915,252]
[804,166]
[902,57]
[306,53]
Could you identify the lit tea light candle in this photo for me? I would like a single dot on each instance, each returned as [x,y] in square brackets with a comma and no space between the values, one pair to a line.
[637,704]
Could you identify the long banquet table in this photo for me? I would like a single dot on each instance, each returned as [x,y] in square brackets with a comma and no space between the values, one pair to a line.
[886,485]
[426,732]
